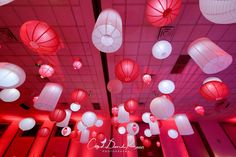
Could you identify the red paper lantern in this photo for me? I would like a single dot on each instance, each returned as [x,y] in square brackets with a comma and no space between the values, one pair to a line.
[39,37]
[200,110]
[147,79]
[214,90]
[162,12]
[77,64]
[46,70]
[43,132]
[114,111]
[114,121]
[147,143]
[127,70]
[131,105]
[79,95]
[57,115]
[100,137]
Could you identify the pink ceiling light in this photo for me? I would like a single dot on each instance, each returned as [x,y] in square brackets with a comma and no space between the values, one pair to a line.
[49,97]
[107,32]
[208,56]
[39,37]
[79,95]
[77,64]
[162,12]
[4,2]
[183,125]
[147,79]
[46,70]
[220,12]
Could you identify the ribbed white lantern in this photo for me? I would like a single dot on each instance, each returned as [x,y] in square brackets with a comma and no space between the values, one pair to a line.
[146,117]
[84,138]
[162,49]
[208,56]
[183,125]
[107,32]
[4,2]
[75,107]
[27,124]
[9,95]
[89,118]
[49,97]
[172,133]
[65,122]
[166,86]
[123,115]
[11,75]
[154,128]
[219,11]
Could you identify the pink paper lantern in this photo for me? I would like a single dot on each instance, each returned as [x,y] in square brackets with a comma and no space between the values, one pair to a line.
[77,64]
[208,56]
[183,125]
[147,79]
[46,70]
[115,86]
[199,110]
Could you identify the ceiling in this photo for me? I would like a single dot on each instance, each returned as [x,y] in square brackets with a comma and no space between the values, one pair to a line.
[73,20]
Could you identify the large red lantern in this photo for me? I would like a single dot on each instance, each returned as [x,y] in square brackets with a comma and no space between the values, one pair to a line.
[39,37]
[57,115]
[131,105]
[214,90]
[43,132]
[79,95]
[162,12]
[46,70]
[127,70]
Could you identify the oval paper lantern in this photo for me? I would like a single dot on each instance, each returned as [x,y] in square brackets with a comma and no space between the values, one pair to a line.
[77,64]
[9,95]
[121,130]
[39,37]
[146,117]
[115,86]
[79,95]
[214,90]
[57,115]
[27,124]
[127,70]
[183,125]
[162,49]
[217,11]
[66,131]
[147,79]
[81,126]
[131,105]
[161,13]
[107,32]
[208,56]
[75,107]
[173,133]
[44,132]
[147,133]
[89,118]
[99,123]
[46,70]
[211,79]
[132,128]
[49,97]
[162,108]
[4,2]
[11,75]
[166,86]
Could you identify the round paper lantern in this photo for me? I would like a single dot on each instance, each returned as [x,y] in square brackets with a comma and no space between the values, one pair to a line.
[114,121]
[101,137]
[9,95]
[114,111]
[39,37]
[66,131]
[115,86]
[4,2]
[57,115]
[77,64]
[147,133]
[147,143]
[79,95]
[46,70]
[183,125]
[75,107]
[161,13]
[208,56]
[146,117]
[217,11]
[121,130]
[89,118]
[166,86]
[211,79]
[99,123]
[147,79]
[44,132]
[11,75]
[81,126]
[173,133]
[162,49]
[199,110]
[107,32]
[131,105]
[132,128]
[214,90]
[162,108]
[27,124]
[127,70]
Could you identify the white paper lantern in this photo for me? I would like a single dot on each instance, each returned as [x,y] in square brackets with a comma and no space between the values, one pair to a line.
[49,97]
[81,126]
[183,125]
[121,130]
[123,115]
[146,117]
[219,11]
[89,118]
[115,86]
[107,32]
[147,133]
[11,75]
[166,86]
[4,2]
[84,138]
[211,79]
[154,128]
[27,124]
[208,56]
[173,133]
[66,120]
[162,49]
[162,107]
[66,131]
[75,107]
[99,123]
[132,128]
[9,95]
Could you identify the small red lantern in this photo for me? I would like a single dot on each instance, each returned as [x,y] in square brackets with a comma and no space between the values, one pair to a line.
[127,70]
[57,115]
[77,64]
[147,143]
[39,37]
[200,110]
[46,70]
[100,137]
[79,95]
[161,13]
[147,79]
[114,111]
[43,132]
[131,105]
[214,90]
